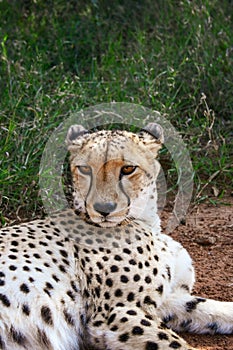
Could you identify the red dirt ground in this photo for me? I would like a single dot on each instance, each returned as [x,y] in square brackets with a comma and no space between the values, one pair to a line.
[208,237]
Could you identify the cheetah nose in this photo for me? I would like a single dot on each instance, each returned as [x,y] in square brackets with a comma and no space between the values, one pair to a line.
[105,208]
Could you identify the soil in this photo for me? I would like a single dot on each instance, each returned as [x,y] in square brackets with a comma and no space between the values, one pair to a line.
[208,236]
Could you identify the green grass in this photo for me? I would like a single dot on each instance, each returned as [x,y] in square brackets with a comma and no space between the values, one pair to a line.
[59,56]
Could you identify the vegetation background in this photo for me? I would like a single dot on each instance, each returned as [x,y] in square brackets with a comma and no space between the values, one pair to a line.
[60,56]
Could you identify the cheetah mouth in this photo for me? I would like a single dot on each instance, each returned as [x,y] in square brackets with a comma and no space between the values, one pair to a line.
[105,222]
[109,221]
[113,219]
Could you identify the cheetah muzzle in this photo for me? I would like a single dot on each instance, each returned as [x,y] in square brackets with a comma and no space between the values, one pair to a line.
[103,276]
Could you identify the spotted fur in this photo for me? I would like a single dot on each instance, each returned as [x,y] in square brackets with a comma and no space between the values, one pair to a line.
[103,276]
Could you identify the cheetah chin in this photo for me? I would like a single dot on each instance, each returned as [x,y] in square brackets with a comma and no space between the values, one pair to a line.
[103,276]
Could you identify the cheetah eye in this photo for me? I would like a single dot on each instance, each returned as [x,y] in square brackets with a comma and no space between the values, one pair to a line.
[128,169]
[84,169]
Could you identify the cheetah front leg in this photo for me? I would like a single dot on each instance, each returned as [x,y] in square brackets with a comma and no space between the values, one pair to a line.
[184,312]
[132,329]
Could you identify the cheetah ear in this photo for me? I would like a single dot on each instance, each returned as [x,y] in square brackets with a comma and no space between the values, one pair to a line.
[74,132]
[154,130]
[152,137]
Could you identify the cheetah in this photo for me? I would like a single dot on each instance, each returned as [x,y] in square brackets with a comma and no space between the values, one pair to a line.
[102,276]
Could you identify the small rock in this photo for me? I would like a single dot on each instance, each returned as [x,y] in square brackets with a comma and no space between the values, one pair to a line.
[205,241]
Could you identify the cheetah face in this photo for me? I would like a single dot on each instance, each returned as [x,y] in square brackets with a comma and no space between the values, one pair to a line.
[114,173]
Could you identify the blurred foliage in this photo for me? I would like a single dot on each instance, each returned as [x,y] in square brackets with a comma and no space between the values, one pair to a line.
[60,56]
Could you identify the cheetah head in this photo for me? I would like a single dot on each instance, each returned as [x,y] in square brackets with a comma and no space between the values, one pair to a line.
[114,174]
